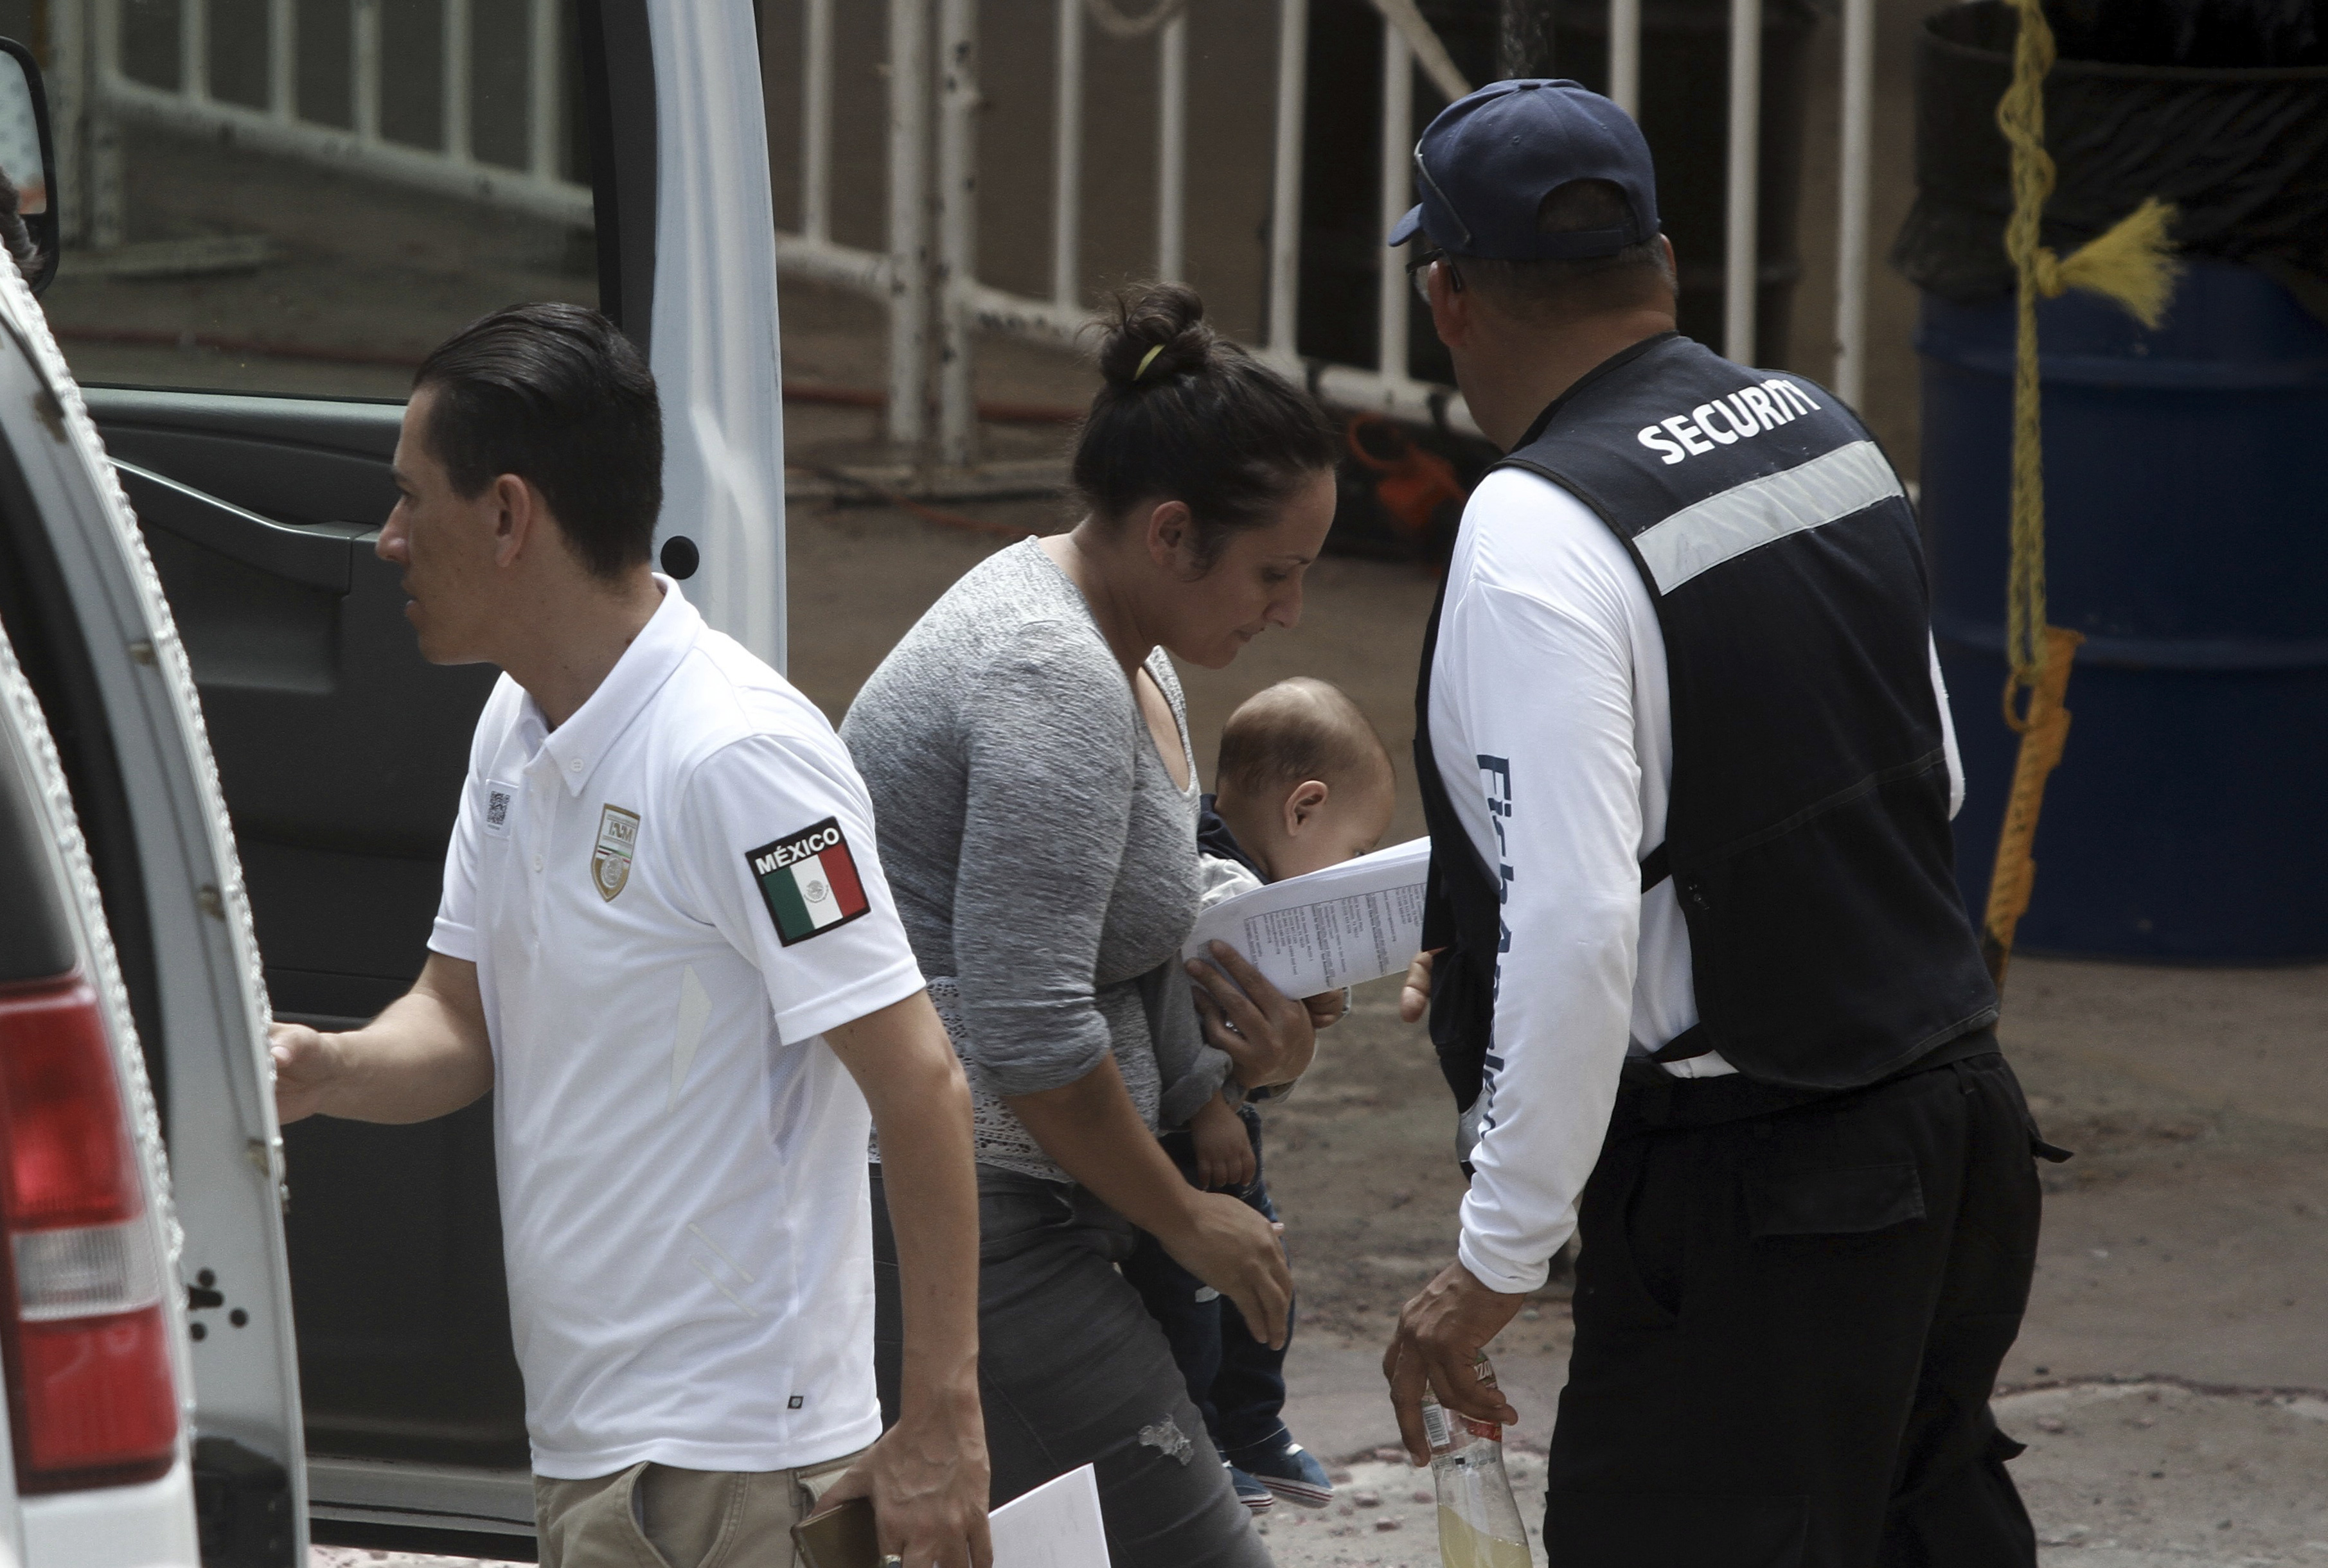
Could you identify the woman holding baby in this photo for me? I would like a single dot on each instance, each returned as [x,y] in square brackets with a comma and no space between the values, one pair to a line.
[1026,750]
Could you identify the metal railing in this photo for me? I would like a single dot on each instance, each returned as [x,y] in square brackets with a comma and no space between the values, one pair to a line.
[928,275]
[1741,237]
[937,300]
[90,58]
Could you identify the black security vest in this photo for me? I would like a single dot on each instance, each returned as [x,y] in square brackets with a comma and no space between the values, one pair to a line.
[1808,826]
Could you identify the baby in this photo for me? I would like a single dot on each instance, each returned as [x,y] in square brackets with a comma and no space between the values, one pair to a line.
[1304,782]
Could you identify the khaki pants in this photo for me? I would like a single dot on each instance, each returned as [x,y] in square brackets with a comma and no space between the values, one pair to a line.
[658,1516]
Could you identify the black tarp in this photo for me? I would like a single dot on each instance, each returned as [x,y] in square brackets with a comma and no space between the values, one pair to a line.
[2242,152]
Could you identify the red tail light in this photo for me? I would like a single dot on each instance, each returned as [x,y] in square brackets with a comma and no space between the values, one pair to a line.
[91,1390]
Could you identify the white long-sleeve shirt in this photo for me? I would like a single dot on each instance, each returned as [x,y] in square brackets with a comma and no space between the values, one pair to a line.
[1550,719]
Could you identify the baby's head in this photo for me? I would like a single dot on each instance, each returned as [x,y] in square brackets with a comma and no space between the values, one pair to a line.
[1304,782]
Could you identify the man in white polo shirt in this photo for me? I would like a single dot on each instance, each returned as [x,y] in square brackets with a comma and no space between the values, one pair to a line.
[665,943]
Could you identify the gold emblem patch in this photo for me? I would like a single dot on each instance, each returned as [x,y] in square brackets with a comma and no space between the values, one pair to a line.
[610,863]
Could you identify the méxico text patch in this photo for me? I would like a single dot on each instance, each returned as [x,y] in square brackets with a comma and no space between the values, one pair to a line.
[810,882]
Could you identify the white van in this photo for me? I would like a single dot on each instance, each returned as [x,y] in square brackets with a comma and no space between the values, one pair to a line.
[206,666]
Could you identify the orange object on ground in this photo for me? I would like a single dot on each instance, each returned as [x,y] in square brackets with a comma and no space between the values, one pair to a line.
[1411,483]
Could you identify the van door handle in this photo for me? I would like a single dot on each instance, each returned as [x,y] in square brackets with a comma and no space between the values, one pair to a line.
[303,555]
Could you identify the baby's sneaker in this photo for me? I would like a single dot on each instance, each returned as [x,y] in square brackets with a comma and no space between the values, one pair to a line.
[1251,1492]
[1288,1469]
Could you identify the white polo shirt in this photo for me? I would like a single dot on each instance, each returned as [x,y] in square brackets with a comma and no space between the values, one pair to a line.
[668,898]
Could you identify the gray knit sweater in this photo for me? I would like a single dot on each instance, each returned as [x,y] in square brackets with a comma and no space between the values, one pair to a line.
[1043,861]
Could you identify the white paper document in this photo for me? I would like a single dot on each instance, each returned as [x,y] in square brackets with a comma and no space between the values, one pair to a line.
[1349,923]
[1056,1526]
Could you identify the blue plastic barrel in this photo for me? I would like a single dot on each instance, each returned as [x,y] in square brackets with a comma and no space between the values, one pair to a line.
[2186,503]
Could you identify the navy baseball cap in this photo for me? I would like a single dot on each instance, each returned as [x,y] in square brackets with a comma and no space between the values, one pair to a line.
[1490,159]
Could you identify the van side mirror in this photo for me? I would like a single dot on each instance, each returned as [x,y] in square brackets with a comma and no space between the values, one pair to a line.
[28,156]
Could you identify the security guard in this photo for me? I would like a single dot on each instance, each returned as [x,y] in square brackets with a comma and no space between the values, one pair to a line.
[1706,986]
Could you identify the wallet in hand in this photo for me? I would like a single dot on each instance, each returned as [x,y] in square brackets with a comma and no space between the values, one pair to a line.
[840,1537]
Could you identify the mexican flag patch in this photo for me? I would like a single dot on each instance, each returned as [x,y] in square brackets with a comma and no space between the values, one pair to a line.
[809,881]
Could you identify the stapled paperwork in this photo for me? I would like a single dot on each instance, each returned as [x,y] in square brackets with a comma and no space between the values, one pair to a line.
[1342,926]
[1056,1526]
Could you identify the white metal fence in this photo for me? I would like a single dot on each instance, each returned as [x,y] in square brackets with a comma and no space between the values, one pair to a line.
[928,274]
[931,281]
[85,70]
[937,290]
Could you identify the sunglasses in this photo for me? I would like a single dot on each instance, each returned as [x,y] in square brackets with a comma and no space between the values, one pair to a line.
[1423,259]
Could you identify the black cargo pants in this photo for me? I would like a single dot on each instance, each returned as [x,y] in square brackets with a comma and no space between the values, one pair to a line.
[1789,1316]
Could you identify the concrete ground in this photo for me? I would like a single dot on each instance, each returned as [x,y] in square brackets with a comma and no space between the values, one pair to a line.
[2145,1475]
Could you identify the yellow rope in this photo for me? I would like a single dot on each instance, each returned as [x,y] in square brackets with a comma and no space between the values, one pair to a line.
[2130,263]
[2044,732]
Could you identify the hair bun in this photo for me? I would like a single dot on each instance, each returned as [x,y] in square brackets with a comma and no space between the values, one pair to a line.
[1156,336]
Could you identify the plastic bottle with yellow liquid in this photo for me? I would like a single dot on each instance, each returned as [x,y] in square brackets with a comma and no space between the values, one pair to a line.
[1478,1519]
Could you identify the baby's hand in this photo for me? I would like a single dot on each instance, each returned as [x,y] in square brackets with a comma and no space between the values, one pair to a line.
[1224,1151]
[1414,996]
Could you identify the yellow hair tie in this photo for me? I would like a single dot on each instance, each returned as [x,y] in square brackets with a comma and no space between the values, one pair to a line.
[1146,360]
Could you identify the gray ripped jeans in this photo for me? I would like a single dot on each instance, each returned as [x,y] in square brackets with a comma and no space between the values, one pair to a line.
[1073,1371]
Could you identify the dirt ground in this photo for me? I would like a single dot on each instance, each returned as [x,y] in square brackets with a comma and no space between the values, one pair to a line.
[2169,1376]
[2172,1380]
